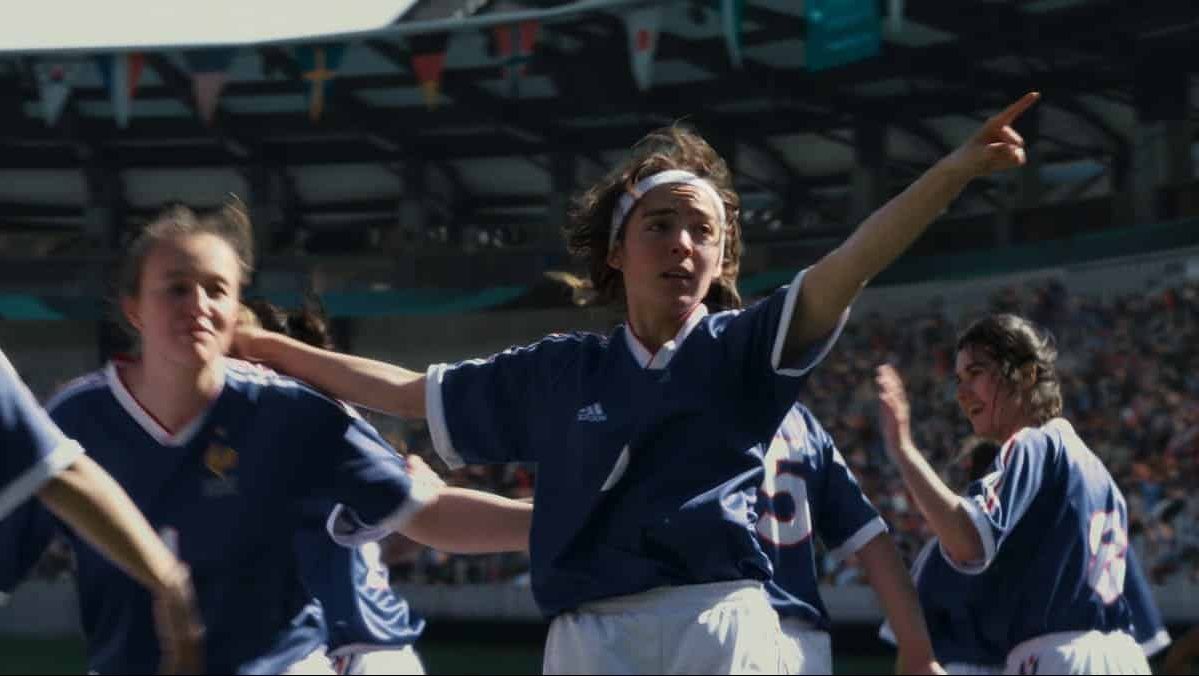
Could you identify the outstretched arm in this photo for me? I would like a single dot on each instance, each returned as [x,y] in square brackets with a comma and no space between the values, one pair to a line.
[833,281]
[465,521]
[941,507]
[95,506]
[374,384]
[893,587]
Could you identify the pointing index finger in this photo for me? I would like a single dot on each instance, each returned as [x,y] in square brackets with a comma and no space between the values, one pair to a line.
[1014,111]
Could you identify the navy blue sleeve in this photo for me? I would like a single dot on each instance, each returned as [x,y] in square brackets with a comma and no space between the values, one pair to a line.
[1147,625]
[32,448]
[481,410]
[24,536]
[998,500]
[753,340]
[847,519]
[356,468]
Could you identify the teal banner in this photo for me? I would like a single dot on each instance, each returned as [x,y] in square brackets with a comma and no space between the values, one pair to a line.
[841,32]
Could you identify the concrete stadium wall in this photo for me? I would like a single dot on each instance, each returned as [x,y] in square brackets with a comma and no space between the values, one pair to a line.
[50,353]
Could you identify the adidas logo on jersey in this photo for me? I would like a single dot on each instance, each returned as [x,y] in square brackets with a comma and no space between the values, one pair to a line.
[592,413]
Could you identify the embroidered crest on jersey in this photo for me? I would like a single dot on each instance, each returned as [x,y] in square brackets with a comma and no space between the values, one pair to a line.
[221,460]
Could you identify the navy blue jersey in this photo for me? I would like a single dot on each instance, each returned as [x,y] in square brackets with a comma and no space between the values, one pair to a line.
[647,464]
[1147,626]
[362,612]
[808,489]
[228,488]
[955,611]
[32,448]
[1054,528]
[955,606]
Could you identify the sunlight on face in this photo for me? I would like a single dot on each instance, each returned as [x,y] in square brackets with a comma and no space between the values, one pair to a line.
[671,249]
[188,300]
[985,397]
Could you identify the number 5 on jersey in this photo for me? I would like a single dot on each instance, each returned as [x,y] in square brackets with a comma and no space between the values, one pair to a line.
[785,520]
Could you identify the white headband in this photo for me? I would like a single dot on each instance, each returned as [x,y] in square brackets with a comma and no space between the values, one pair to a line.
[675,176]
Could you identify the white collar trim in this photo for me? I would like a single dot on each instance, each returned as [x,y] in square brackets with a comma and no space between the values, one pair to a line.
[656,361]
[147,422]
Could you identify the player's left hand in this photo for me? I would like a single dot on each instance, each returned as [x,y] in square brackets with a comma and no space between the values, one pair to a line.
[995,146]
[894,411]
[243,341]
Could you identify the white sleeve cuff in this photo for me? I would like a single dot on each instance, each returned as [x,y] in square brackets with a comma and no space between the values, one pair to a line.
[983,525]
[780,338]
[865,534]
[1159,642]
[435,415]
[25,485]
[346,529]
[887,634]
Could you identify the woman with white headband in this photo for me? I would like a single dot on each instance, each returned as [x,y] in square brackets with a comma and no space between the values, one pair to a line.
[649,442]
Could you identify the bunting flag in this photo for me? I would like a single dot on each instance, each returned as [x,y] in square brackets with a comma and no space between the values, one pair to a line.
[732,13]
[54,82]
[642,24]
[514,44]
[841,32]
[120,73]
[210,72]
[320,65]
[428,63]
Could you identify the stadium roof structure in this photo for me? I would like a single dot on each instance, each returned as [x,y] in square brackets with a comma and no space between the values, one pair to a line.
[485,170]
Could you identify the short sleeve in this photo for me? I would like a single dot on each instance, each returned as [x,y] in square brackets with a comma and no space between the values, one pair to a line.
[369,480]
[998,500]
[848,520]
[32,448]
[479,411]
[1147,626]
[753,341]
[24,536]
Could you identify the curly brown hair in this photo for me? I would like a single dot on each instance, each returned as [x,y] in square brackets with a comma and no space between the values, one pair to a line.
[674,147]
[1015,342]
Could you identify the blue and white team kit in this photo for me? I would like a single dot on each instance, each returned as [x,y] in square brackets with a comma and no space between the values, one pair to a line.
[952,617]
[648,465]
[1058,589]
[808,490]
[229,487]
[33,449]
[371,629]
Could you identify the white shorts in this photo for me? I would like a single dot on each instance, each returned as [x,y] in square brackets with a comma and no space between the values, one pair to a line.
[402,661]
[317,663]
[718,628]
[813,646]
[1078,652]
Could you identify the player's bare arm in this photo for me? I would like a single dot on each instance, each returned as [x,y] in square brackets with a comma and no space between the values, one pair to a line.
[374,384]
[833,281]
[893,586]
[464,521]
[941,507]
